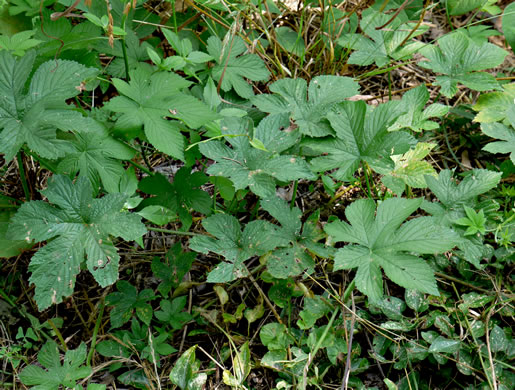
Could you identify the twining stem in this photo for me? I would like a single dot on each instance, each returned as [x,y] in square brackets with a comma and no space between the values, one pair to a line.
[23,178]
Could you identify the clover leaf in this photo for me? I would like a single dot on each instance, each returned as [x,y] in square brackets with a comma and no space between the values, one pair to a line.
[74,226]
[382,240]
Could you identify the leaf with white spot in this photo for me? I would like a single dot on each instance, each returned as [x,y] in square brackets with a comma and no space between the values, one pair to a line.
[77,227]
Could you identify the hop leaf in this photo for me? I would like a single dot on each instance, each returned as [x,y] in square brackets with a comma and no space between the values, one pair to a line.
[384,44]
[56,375]
[361,135]
[235,245]
[248,166]
[233,66]
[32,117]
[75,225]
[504,133]
[459,58]
[307,106]
[381,241]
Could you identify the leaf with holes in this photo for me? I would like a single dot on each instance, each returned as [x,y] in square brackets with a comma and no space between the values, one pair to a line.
[307,107]
[362,136]
[74,226]
[459,59]
[382,240]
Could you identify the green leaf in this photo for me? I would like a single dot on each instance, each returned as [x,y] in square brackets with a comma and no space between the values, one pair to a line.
[185,372]
[293,259]
[307,107]
[236,246]
[96,155]
[9,248]
[493,106]
[382,242]
[290,40]
[416,118]
[459,58]
[178,264]
[498,340]
[247,166]
[233,66]
[80,225]
[443,345]
[19,43]
[384,44]
[172,312]
[474,221]
[180,196]
[361,136]
[460,7]
[149,98]
[410,169]
[32,118]
[508,25]
[504,133]
[54,375]
[126,301]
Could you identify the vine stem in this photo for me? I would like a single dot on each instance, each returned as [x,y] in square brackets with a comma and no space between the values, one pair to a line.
[23,177]
[124,50]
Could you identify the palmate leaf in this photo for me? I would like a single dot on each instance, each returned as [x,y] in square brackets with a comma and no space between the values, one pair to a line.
[504,133]
[233,67]
[236,246]
[307,106]
[410,169]
[249,167]
[149,98]
[180,196]
[298,256]
[453,198]
[361,136]
[56,374]
[32,116]
[492,106]
[96,155]
[384,44]
[380,241]
[76,225]
[417,118]
[459,59]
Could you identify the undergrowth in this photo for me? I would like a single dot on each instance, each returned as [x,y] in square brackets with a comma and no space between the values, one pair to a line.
[257,194]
